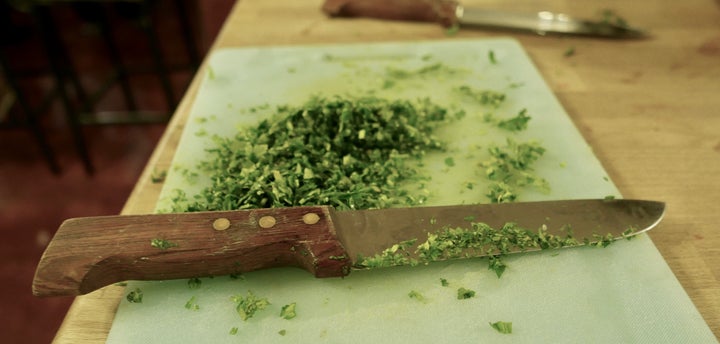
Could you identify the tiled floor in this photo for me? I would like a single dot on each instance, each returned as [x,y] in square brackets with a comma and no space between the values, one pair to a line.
[33,201]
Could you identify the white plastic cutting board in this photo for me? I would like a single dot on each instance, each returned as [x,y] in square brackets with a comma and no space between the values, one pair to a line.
[621,294]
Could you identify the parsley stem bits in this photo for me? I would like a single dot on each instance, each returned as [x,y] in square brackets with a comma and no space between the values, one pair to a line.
[267,222]
[221,224]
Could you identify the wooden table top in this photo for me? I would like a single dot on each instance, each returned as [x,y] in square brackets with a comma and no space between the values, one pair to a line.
[649,108]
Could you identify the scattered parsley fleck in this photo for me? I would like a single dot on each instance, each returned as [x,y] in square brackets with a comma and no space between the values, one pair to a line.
[483,97]
[452,30]
[517,123]
[162,244]
[416,295]
[288,311]
[444,282]
[502,327]
[191,304]
[194,283]
[491,57]
[158,176]
[463,293]
[282,332]
[233,331]
[210,72]
[449,161]
[569,52]
[135,296]
[609,16]
[247,306]
[609,197]
[469,218]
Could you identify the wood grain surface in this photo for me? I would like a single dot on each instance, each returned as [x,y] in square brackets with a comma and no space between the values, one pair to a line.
[649,109]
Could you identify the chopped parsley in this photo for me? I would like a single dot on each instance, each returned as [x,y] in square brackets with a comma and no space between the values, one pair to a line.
[483,97]
[288,311]
[313,154]
[516,123]
[192,304]
[413,294]
[491,57]
[248,305]
[194,283]
[233,331]
[569,52]
[444,282]
[502,327]
[510,168]
[282,332]
[463,293]
[135,296]
[162,244]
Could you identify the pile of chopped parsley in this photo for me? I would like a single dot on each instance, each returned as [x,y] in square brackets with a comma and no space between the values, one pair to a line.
[347,152]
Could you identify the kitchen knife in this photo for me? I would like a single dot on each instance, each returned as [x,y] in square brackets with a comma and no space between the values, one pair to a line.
[89,253]
[451,13]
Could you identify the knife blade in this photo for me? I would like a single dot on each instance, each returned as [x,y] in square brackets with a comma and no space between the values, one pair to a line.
[451,13]
[91,252]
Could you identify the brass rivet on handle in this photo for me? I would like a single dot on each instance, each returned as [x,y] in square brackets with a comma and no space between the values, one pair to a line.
[311,218]
[221,224]
[266,221]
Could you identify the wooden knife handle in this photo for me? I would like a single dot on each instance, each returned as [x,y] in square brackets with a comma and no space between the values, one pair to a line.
[92,252]
[440,11]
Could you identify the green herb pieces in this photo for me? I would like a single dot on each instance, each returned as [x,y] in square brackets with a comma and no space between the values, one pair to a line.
[233,331]
[416,295]
[158,176]
[483,97]
[452,30]
[288,311]
[510,168]
[192,304]
[517,123]
[478,240]
[609,17]
[449,162]
[351,153]
[282,332]
[463,293]
[503,327]
[495,264]
[162,244]
[629,233]
[247,306]
[135,296]
[444,282]
[569,52]
[395,255]
[194,283]
[491,57]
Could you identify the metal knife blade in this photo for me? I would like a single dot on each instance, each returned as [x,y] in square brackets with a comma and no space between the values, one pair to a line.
[544,23]
[89,253]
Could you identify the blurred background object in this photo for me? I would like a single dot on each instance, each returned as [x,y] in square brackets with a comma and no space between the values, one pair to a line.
[86,89]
